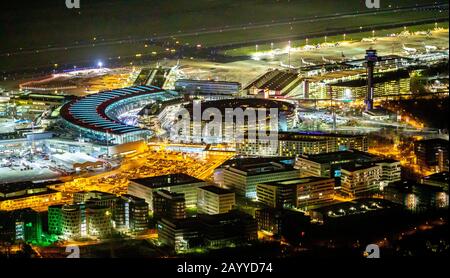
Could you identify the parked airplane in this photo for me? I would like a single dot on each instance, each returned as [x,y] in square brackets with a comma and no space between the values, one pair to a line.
[307,63]
[309,47]
[328,60]
[288,66]
[430,48]
[409,50]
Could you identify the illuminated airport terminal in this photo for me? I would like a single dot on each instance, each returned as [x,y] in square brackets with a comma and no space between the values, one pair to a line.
[243,136]
[97,116]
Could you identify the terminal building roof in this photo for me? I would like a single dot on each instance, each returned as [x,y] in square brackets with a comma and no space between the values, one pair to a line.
[90,111]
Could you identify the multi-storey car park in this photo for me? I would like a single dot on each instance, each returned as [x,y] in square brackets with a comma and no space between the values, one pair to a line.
[97,116]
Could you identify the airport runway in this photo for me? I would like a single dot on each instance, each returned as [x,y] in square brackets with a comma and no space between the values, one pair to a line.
[249,26]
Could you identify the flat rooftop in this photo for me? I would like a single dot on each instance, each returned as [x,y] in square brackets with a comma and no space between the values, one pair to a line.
[207,82]
[286,160]
[263,168]
[170,194]
[132,198]
[245,103]
[409,186]
[359,206]
[297,181]
[167,180]
[29,193]
[434,141]
[438,177]
[219,219]
[304,136]
[14,215]
[216,190]
[8,188]
[352,155]
[334,75]
[387,160]
[356,166]
[189,223]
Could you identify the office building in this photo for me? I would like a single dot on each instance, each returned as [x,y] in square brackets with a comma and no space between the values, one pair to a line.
[432,155]
[415,196]
[131,213]
[297,143]
[391,171]
[21,195]
[99,220]
[179,183]
[84,220]
[329,164]
[95,197]
[179,234]
[73,221]
[208,89]
[243,177]
[215,200]
[438,179]
[275,195]
[300,143]
[227,229]
[278,222]
[301,193]
[210,231]
[23,225]
[312,191]
[54,217]
[351,84]
[360,179]
[169,205]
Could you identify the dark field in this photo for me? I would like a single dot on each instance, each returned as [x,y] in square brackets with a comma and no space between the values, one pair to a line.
[45,32]
[51,22]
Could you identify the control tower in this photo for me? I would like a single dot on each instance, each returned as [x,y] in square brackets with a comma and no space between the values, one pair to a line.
[371,60]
